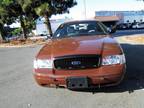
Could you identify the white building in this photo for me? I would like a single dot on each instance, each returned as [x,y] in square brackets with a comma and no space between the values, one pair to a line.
[125,16]
[133,18]
[41,28]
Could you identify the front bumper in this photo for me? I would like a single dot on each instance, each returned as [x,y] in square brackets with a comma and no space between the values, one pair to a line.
[104,79]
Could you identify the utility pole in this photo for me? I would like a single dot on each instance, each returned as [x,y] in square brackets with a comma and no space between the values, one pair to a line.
[85,13]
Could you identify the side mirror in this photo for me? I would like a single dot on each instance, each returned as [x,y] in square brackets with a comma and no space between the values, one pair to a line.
[111,30]
[108,29]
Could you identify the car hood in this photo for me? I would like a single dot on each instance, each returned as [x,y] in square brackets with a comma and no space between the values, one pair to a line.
[74,46]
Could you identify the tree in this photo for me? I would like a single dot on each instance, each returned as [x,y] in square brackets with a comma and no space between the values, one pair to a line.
[47,8]
[2,31]
[27,16]
[5,17]
[27,11]
[12,9]
[20,11]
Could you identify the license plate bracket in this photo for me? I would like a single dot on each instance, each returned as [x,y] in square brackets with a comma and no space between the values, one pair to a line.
[77,82]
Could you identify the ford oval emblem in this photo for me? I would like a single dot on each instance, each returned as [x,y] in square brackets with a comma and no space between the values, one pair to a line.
[76,62]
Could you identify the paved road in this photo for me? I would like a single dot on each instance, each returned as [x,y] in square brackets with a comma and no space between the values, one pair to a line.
[19,90]
[128,32]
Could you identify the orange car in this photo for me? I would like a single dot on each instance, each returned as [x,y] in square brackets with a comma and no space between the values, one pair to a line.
[80,55]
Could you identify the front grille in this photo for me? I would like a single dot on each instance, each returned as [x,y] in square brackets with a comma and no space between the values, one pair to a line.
[75,62]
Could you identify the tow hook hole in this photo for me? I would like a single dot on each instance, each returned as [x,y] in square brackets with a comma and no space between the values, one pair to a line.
[80,85]
[73,85]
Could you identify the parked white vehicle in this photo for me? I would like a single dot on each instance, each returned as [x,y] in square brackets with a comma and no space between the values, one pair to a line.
[138,25]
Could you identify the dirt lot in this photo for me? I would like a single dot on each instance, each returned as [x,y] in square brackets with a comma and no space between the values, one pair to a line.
[132,39]
[23,43]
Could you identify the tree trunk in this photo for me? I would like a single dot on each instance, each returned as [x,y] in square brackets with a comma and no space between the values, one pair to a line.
[1,38]
[23,27]
[48,25]
[2,32]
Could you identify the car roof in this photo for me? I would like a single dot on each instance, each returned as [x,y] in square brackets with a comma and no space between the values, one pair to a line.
[79,21]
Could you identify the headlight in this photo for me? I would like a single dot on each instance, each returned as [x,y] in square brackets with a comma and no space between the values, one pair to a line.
[43,64]
[113,59]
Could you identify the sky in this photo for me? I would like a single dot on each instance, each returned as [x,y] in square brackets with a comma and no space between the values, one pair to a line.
[78,11]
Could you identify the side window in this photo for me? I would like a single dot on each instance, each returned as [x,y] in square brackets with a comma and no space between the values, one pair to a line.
[60,32]
[103,27]
[71,30]
[91,28]
[82,28]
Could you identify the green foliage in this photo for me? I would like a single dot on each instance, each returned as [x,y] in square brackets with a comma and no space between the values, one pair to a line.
[52,7]
[42,9]
[18,10]
[16,31]
[47,8]
[29,24]
[6,2]
[27,11]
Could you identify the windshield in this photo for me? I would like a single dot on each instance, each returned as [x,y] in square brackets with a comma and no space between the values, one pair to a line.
[75,29]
